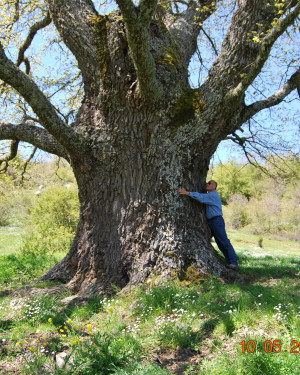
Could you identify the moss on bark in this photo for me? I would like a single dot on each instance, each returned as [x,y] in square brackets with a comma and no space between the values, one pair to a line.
[187,106]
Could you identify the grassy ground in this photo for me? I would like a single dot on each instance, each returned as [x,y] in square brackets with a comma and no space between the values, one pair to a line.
[10,240]
[207,328]
[262,245]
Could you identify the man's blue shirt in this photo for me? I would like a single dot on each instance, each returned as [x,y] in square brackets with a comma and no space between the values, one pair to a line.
[212,201]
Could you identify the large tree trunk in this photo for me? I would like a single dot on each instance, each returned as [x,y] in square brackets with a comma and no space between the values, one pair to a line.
[134,226]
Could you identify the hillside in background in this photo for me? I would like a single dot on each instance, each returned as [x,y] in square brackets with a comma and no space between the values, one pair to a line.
[261,201]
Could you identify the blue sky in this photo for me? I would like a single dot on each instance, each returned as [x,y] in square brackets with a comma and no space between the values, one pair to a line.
[285,118]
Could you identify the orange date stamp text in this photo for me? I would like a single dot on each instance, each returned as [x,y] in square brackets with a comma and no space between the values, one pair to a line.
[270,347]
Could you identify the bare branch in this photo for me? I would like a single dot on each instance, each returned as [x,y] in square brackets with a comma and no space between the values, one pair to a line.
[32,32]
[257,147]
[34,135]
[210,41]
[27,161]
[12,152]
[48,117]
[292,84]
[187,25]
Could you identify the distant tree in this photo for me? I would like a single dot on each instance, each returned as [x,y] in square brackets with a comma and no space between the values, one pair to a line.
[236,177]
[141,129]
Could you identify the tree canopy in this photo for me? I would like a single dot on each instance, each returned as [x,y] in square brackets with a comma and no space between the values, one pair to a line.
[34,46]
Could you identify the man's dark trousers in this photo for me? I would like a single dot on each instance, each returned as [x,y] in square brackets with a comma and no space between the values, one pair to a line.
[217,228]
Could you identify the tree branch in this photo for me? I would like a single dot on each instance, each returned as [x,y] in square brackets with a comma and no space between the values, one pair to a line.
[188,24]
[75,22]
[292,84]
[12,152]
[34,135]
[264,48]
[32,32]
[137,21]
[17,11]
[256,148]
[210,41]
[48,117]
[27,161]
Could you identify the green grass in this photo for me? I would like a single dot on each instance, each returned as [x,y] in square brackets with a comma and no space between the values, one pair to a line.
[244,242]
[17,270]
[10,240]
[170,329]
[16,267]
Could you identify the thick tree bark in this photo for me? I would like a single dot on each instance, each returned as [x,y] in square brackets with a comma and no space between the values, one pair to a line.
[134,226]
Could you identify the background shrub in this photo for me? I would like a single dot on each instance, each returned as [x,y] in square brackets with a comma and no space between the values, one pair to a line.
[261,202]
[4,212]
[53,220]
[6,188]
[237,215]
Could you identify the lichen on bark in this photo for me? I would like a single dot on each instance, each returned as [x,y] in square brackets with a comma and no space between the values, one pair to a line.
[186,107]
[101,24]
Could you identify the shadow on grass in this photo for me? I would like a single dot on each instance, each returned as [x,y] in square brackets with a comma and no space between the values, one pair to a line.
[269,267]
[177,359]
[5,292]
[82,308]
[6,324]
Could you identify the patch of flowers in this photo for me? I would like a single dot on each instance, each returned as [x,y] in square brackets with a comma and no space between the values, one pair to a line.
[284,312]
[36,310]
[133,329]
[107,304]
[156,299]
[17,305]
[246,331]
[27,309]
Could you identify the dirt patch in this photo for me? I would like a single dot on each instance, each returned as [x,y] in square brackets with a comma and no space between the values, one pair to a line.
[11,367]
[176,360]
[29,290]
[231,276]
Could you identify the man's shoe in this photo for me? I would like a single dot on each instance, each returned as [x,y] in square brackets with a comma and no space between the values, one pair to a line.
[233,267]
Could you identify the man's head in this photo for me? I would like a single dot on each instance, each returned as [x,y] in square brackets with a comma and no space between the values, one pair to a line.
[211,186]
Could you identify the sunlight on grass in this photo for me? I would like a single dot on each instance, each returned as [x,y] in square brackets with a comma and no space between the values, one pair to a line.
[10,240]
[246,242]
[159,330]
